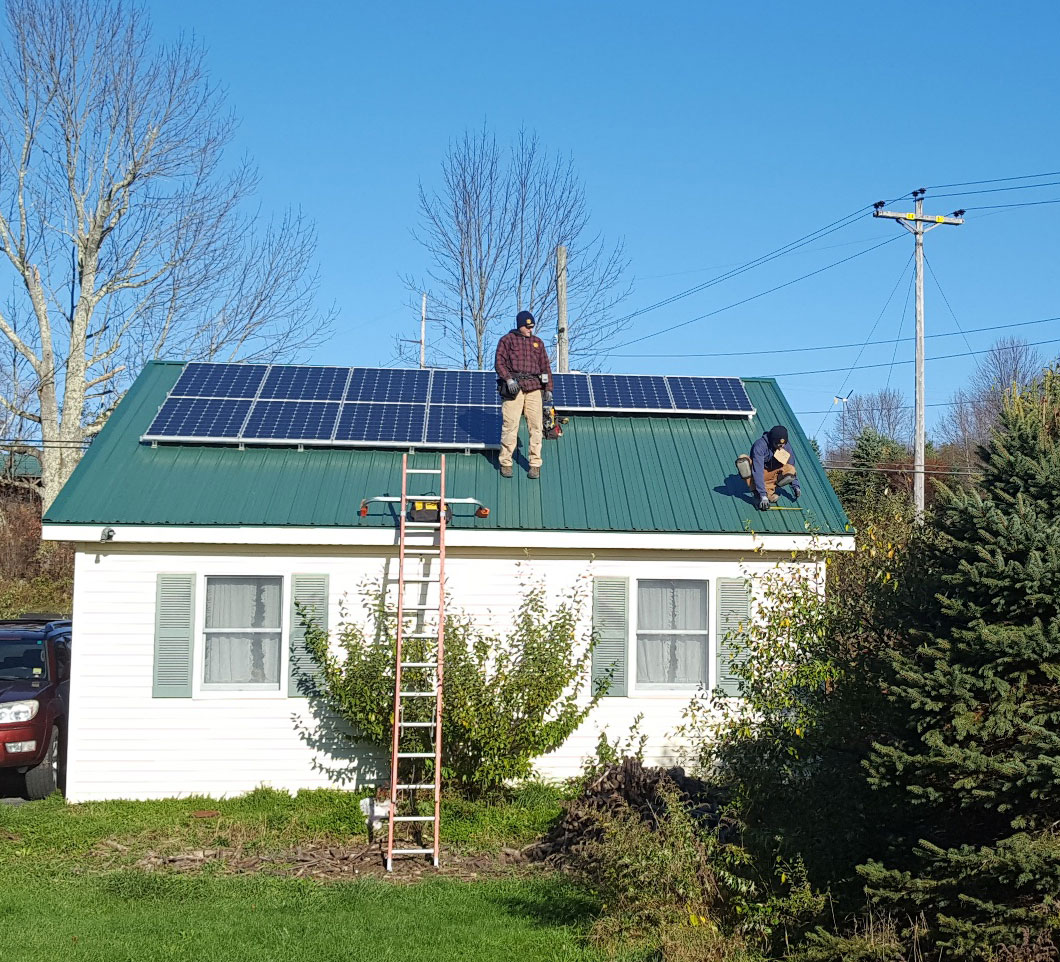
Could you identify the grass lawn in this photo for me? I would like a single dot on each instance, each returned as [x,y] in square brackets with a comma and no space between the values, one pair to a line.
[70,888]
[131,915]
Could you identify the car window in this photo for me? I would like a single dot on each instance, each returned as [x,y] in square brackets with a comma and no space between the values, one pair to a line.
[23,661]
[62,659]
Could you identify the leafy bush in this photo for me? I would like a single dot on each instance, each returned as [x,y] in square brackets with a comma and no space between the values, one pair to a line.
[674,887]
[509,698]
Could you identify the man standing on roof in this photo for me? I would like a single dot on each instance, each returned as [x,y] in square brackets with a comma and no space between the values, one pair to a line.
[523,369]
[772,466]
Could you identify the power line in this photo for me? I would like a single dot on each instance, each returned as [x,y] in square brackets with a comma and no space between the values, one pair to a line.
[996,190]
[940,357]
[995,180]
[872,331]
[702,317]
[901,327]
[749,265]
[836,347]
[946,301]
[1029,203]
[831,466]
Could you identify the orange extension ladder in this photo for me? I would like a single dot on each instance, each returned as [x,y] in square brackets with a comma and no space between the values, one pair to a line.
[421,542]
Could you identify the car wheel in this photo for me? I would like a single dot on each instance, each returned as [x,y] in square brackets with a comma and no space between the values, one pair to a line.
[43,779]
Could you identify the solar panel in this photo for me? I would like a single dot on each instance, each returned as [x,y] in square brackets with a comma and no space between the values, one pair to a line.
[219,380]
[388,386]
[625,392]
[196,417]
[571,392]
[331,405]
[306,383]
[464,425]
[292,420]
[464,387]
[368,422]
[710,394]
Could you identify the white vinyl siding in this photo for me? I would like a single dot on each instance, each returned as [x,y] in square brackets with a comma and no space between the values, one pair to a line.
[129,744]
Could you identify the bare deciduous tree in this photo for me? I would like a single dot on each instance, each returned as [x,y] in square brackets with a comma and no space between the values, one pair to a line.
[122,235]
[974,410]
[491,233]
[885,412]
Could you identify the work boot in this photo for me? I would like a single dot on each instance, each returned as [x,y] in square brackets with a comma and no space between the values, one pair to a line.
[533,474]
[506,470]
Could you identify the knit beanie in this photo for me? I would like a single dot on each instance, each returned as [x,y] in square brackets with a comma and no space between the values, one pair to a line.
[523,318]
[778,435]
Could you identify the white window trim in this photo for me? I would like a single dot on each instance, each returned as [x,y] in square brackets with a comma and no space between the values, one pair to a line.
[205,692]
[637,689]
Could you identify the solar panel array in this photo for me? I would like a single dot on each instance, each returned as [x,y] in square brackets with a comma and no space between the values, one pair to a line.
[342,406]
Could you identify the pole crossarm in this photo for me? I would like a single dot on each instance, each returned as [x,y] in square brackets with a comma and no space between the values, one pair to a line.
[937,219]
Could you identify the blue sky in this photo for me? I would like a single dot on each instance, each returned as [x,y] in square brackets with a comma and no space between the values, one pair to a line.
[706,135]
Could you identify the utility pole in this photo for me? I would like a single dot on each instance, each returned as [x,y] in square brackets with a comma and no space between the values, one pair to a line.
[563,342]
[423,332]
[918,225]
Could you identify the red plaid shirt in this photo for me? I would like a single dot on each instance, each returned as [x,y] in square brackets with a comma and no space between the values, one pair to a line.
[523,358]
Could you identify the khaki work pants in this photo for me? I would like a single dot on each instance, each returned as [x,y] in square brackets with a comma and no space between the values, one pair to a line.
[524,403]
[771,478]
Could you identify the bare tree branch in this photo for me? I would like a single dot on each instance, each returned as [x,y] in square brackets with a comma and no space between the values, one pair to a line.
[122,231]
[491,234]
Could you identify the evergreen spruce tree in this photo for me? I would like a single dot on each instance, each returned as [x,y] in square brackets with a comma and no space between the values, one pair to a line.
[978,758]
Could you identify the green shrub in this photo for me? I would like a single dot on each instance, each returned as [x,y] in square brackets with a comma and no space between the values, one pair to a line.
[674,887]
[509,698]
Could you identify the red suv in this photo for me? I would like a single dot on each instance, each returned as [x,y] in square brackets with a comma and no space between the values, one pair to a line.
[34,701]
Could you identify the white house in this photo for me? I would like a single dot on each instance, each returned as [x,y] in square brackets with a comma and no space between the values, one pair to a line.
[190,558]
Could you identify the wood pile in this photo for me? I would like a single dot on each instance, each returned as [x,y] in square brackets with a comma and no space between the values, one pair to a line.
[624,786]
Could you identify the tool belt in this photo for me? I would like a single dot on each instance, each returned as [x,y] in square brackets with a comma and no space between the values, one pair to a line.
[427,511]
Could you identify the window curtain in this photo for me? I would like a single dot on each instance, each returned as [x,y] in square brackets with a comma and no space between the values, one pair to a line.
[672,633]
[235,655]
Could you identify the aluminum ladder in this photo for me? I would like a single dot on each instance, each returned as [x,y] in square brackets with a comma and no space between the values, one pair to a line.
[422,542]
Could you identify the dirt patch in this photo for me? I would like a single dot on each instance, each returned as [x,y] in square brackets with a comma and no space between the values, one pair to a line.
[332,863]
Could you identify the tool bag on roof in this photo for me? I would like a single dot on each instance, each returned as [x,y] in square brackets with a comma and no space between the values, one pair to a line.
[427,511]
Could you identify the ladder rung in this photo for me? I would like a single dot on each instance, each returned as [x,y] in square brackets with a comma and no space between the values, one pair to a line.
[412,851]
[418,694]
[428,579]
[429,724]
[422,471]
[430,607]
[415,754]
[418,664]
[413,818]
[420,634]
[402,788]
[422,524]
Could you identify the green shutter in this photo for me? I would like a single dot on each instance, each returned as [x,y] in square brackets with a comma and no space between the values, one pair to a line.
[174,636]
[311,593]
[611,630]
[734,609]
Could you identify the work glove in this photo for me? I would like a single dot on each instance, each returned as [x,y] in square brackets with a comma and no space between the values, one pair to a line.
[513,386]
[763,504]
[796,490]
[548,398]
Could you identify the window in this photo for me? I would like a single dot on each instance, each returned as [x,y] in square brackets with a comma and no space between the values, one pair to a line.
[672,634]
[242,647]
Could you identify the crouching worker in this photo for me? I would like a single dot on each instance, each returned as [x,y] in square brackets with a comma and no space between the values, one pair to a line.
[770,466]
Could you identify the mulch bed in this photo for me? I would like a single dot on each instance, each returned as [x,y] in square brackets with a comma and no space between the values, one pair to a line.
[331,863]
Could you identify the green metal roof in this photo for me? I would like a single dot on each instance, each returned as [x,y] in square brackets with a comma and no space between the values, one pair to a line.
[20,465]
[607,473]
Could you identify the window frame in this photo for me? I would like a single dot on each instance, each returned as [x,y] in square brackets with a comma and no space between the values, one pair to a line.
[664,689]
[204,690]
